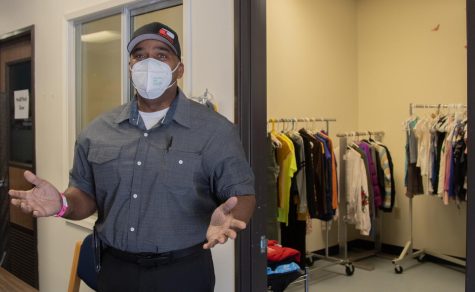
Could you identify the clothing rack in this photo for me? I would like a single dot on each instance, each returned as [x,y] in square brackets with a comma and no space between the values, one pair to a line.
[303,120]
[332,260]
[349,268]
[408,251]
[342,220]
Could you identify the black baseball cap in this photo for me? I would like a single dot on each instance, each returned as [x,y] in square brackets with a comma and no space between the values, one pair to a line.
[156,31]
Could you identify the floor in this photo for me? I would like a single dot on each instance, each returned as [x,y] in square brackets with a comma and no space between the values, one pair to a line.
[10,283]
[416,277]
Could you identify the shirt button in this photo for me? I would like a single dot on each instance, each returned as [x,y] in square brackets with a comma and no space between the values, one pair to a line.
[139,162]
[132,229]
[135,196]
[180,161]
[145,134]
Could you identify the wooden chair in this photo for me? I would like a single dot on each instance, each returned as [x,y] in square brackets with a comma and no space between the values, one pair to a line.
[83,267]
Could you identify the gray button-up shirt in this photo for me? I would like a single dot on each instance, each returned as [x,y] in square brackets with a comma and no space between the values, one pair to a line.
[156,189]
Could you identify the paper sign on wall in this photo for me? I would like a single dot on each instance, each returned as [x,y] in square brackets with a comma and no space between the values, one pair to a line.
[22,98]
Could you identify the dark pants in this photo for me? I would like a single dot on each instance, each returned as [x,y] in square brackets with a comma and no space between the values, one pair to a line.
[191,273]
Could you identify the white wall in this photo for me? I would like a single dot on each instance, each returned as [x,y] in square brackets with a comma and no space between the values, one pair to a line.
[208,57]
[401,60]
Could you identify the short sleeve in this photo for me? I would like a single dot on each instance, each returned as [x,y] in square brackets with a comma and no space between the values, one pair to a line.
[80,176]
[229,170]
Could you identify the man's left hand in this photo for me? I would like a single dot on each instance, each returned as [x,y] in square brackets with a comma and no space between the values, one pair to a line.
[223,225]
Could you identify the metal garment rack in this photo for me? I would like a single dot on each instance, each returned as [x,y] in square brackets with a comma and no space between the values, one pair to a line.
[408,251]
[293,121]
[333,261]
[342,220]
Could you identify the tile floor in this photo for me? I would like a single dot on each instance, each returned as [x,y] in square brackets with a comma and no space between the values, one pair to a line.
[416,277]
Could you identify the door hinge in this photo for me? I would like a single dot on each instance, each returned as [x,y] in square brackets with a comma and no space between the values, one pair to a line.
[263,244]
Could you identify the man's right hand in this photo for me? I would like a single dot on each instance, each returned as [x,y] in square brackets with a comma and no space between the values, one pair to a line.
[43,200]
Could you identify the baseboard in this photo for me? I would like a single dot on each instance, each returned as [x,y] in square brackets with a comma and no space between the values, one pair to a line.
[362,244]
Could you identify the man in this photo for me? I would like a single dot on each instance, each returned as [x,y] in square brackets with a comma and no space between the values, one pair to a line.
[167,176]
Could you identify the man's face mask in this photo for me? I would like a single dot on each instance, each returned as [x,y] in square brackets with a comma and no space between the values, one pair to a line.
[152,77]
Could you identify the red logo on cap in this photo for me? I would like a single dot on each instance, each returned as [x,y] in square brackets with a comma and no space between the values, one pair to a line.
[167,35]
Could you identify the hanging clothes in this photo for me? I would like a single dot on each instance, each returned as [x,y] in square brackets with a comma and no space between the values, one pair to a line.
[459,178]
[314,174]
[303,184]
[332,170]
[320,167]
[357,196]
[371,158]
[293,233]
[288,166]
[438,138]
[440,157]
[370,184]
[413,177]
[299,181]
[273,170]
[388,188]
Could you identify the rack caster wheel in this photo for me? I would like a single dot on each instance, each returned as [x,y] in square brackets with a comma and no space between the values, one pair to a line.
[349,269]
[398,269]
[309,261]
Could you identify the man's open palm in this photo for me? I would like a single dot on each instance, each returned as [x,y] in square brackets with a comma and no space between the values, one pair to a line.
[223,225]
[42,200]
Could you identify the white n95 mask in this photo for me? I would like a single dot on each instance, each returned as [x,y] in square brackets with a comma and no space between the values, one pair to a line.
[152,77]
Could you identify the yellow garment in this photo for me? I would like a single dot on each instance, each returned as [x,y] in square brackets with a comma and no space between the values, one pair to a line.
[288,166]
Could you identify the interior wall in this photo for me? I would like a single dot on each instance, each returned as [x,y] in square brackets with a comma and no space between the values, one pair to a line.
[209,61]
[210,64]
[311,69]
[404,58]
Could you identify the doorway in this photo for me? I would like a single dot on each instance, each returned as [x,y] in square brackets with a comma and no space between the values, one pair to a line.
[252,95]
[18,236]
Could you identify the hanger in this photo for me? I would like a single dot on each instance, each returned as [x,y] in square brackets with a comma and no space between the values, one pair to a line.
[207,96]
[272,133]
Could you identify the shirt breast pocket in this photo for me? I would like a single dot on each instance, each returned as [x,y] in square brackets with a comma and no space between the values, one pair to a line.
[104,162]
[181,169]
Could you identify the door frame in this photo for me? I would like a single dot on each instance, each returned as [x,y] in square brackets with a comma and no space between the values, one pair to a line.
[251,115]
[28,32]
[10,37]
[470,271]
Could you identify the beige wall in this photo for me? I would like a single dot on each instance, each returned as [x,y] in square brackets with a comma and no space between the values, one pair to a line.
[311,69]
[362,62]
[401,60]
[209,63]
